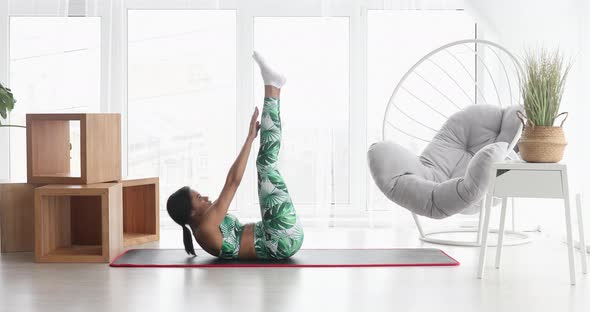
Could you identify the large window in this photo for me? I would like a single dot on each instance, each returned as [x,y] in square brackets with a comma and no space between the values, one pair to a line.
[182,97]
[182,109]
[190,87]
[54,68]
[313,54]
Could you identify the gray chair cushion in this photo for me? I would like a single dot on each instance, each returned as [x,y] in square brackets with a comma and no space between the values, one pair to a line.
[452,173]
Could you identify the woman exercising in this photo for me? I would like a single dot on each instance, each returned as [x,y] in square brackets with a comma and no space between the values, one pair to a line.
[279,235]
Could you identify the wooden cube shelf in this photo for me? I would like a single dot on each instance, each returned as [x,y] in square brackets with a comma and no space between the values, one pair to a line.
[17,220]
[48,148]
[141,213]
[78,223]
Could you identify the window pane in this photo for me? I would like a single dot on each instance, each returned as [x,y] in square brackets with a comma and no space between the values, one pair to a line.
[313,54]
[54,68]
[396,41]
[182,104]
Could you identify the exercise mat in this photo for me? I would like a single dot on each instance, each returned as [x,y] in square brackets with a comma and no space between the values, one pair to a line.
[167,258]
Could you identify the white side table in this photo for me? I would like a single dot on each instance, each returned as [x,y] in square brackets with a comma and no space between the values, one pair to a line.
[532,180]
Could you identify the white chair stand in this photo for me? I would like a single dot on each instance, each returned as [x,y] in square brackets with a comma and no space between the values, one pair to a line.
[531,180]
[438,237]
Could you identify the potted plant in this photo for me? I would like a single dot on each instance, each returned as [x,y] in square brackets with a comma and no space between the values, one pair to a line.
[542,84]
[7,102]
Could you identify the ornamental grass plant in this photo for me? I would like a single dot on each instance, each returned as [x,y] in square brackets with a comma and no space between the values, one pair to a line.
[542,84]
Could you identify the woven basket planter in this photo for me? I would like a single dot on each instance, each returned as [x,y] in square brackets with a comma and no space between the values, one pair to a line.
[541,144]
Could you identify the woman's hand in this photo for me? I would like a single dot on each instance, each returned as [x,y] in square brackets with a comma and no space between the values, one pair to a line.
[254,125]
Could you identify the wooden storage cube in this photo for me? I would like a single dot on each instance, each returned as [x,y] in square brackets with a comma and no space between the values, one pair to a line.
[78,223]
[141,215]
[17,218]
[48,148]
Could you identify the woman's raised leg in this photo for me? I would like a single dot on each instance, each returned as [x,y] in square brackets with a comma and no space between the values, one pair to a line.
[279,235]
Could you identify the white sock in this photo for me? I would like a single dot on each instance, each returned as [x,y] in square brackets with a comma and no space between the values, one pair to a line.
[270,76]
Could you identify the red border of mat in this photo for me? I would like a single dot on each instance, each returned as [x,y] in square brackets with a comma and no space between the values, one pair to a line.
[276,265]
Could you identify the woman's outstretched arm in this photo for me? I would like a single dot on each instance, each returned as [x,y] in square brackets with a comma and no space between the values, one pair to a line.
[236,172]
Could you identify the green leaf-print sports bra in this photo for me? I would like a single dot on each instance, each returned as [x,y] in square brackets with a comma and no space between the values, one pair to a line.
[231,231]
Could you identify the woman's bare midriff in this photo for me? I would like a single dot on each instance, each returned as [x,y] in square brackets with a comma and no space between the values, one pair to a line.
[247,251]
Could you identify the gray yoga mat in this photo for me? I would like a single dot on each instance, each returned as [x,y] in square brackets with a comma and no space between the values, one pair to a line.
[304,258]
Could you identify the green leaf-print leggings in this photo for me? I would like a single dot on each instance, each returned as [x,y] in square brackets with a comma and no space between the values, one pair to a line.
[279,235]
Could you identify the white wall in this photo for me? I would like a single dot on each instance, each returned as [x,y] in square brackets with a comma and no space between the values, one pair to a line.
[530,24]
[4,132]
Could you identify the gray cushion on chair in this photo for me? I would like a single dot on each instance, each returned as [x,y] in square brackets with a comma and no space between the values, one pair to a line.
[452,173]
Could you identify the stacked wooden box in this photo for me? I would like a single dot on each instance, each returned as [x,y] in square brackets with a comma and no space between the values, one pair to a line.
[90,217]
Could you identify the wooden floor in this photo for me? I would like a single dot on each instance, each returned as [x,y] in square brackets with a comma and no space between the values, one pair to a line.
[533,277]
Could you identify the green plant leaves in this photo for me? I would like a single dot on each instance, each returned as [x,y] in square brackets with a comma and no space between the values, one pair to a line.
[542,84]
[261,249]
[268,135]
[288,245]
[268,153]
[274,197]
[280,217]
[274,115]
[230,228]
[277,180]
[7,102]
